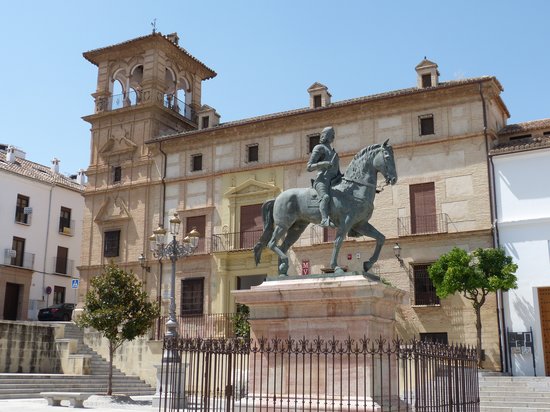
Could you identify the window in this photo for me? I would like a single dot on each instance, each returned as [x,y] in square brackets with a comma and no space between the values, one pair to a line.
[61,260]
[251,225]
[58,294]
[317,102]
[18,244]
[192,296]
[436,337]
[111,243]
[546,133]
[65,220]
[205,122]
[196,162]
[313,141]
[199,223]
[423,216]
[426,124]
[252,153]
[424,290]
[117,174]
[22,203]
[426,80]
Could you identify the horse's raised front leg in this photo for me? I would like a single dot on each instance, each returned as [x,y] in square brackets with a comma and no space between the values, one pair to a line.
[368,230]
[283,259]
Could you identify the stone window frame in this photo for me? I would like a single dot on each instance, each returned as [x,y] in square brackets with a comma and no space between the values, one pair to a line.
[197,162]
[426,125]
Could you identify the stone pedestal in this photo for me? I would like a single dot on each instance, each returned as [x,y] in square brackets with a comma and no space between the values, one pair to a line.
[326,307]
[329,306]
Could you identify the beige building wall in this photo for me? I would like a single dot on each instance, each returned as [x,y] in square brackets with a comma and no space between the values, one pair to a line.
[155,149]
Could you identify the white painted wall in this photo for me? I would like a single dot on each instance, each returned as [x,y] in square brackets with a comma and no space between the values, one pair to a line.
[523,207]
[42,235]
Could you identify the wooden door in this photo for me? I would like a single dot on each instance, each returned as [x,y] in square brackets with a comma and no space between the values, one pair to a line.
[251,225]
[11,301]
[423,217]
[544,309]
[61,260]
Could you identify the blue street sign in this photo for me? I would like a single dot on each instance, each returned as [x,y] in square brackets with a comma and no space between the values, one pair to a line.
[74,283]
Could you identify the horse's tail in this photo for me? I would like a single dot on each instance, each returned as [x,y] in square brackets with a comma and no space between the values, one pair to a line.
[267,215]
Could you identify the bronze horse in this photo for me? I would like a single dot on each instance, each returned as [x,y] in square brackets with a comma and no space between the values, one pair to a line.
[352,204]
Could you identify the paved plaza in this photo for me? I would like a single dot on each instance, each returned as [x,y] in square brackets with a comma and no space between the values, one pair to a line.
[96,403]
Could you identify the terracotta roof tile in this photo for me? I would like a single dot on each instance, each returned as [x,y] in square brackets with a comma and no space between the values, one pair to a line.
[525,127]
[522,145]
[89,54]
[37,171]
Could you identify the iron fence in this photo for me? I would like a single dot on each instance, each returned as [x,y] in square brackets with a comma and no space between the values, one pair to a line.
[319,375]
[214,325]
[226,242]
[421,225]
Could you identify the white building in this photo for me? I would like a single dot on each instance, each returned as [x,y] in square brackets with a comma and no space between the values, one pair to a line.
[521,167]
[41,214]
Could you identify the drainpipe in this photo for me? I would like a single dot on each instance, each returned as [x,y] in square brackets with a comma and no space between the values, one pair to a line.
[501,321]
[161,223]
[46,243]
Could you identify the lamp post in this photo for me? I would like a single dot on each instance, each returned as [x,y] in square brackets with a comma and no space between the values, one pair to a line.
[173,250]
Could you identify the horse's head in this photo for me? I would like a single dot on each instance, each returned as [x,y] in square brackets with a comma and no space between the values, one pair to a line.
[384,162]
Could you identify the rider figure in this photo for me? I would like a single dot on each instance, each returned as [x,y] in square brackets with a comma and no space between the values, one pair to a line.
[325,159]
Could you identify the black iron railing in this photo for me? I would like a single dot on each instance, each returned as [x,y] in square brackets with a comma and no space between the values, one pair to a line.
[214,325]
[62,265]
[421,225]
[225,242]
[133,98]
[285,375]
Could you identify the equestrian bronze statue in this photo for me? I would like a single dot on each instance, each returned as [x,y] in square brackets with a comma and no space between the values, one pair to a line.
[351,206]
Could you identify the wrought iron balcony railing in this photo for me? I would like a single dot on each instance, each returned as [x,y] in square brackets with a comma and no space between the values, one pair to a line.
[422,225]
[24,260]
[225,242]
[132,98]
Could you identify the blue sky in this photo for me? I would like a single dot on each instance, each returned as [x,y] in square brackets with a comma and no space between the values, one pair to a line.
[266,54]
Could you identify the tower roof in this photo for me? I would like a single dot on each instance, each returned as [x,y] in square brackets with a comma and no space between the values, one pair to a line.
[425,63]
[144,42]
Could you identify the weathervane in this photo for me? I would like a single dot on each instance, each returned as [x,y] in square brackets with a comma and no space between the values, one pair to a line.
[154,24]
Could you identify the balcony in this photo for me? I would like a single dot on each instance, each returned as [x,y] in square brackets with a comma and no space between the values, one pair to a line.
[227,242]
[422,225]
[62,266]
[132,98]
[24,260]
[66,226]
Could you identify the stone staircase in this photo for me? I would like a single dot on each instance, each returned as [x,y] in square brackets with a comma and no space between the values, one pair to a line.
[19,385]
[499,393]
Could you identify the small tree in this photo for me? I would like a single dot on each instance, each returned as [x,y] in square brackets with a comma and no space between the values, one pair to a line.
[474,275]
[116,306]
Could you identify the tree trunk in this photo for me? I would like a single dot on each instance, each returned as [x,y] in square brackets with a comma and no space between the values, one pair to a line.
[478,329]
[110,384]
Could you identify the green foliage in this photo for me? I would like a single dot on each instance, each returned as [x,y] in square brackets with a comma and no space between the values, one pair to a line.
[474,274]
[241,327]
[117,307]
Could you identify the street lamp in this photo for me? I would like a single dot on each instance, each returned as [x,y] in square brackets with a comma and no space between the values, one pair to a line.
[173,250]
[397,253]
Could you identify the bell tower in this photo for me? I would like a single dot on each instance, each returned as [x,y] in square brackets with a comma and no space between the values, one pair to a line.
[146,87]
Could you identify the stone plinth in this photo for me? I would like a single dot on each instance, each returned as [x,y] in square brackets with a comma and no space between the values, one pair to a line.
[327,306]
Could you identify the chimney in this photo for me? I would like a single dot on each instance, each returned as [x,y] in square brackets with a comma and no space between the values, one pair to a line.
[10,155]
[173,37]
[55,165]
[80,178]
